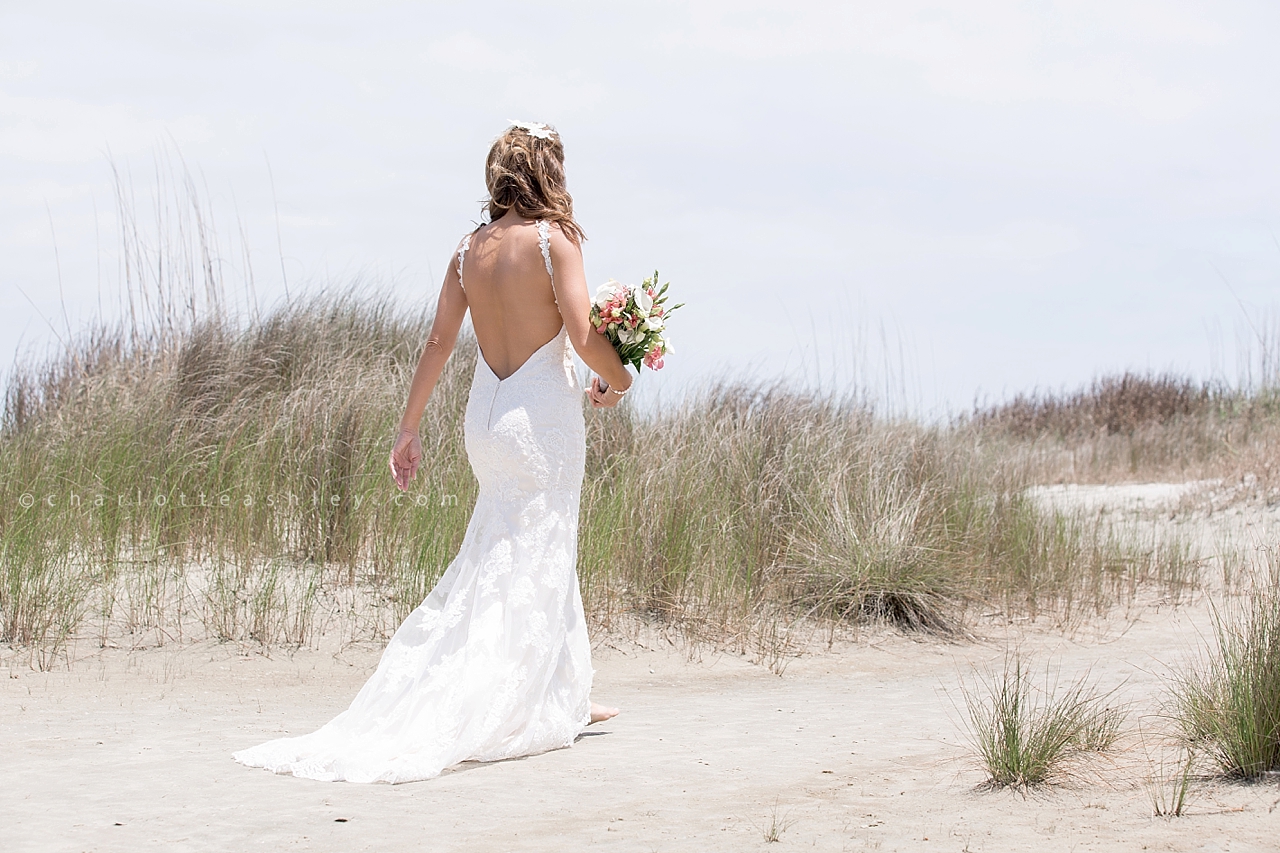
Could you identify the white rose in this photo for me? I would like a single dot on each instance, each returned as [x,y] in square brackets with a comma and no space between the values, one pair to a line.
[605,292]
[653,324]
[643,300]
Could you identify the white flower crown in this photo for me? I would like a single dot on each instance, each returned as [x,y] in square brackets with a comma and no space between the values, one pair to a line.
[533,128]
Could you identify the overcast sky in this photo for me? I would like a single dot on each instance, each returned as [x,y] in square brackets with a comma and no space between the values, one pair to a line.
[1019,194]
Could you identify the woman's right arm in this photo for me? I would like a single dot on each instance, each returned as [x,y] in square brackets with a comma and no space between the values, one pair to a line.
[451,309]
[570,283]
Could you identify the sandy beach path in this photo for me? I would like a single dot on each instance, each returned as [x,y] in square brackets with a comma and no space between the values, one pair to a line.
[859,748]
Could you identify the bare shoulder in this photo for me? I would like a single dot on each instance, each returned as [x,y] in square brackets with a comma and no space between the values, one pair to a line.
[455,258]
[561,243]
[467,240]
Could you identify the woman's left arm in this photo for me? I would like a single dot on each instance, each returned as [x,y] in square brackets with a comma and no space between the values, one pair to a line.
[451,308]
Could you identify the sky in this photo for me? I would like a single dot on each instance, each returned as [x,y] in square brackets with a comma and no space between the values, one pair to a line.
[939,203]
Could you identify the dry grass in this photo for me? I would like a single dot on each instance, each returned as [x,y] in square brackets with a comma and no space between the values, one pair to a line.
[1170,783]
[1111,405]
[229,480]
[1144,427]
[779,822]
[812,506]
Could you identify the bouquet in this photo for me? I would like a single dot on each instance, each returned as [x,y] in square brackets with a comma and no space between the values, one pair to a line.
[633,318]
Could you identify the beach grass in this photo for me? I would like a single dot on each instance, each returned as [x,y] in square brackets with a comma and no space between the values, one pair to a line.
[1228,705]
[1025,731]
[1150,426]
[228,478]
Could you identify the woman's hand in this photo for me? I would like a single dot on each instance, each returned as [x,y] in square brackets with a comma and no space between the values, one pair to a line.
[601,397]
[406,457]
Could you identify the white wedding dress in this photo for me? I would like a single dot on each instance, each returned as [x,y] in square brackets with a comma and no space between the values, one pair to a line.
[495,663]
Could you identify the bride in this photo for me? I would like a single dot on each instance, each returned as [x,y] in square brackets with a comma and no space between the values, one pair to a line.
[495,663]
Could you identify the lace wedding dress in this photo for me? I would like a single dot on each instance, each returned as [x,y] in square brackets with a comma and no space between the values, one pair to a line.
[495,663]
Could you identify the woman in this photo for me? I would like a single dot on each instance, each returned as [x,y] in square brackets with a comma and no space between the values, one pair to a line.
[495,663]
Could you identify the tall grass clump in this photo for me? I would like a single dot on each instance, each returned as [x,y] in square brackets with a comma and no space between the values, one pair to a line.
[248,460]
[230,479]
[1025,733]
[1229,705]
[746,500]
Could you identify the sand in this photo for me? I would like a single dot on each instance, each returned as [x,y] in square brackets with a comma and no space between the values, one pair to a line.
[860,746]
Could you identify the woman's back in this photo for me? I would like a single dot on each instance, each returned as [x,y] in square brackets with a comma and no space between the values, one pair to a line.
[504,274]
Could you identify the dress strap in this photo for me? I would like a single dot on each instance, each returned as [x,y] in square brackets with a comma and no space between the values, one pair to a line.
[544,243]
[462,252]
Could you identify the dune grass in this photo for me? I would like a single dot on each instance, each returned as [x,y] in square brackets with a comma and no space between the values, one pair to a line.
[1149,426]
[1229,705]
[779,822]
[1025,733]
[228,478]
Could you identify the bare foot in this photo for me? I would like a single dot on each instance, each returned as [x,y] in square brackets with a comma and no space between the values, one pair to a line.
[600,713]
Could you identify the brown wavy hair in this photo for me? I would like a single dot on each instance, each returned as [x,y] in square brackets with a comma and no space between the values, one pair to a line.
[526,173]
